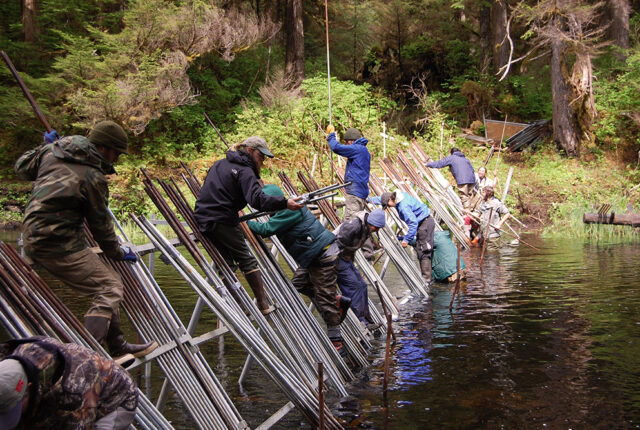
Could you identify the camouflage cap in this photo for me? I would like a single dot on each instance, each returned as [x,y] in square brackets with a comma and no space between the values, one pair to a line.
[13,388]
[110,135]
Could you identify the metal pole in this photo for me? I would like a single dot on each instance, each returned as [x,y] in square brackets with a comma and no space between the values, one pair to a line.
[326,20]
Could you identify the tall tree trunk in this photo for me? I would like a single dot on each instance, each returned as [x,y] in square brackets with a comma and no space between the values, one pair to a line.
[29,28]
[564,123]
[485,35]
[618,11]
[500,47]
[294,60]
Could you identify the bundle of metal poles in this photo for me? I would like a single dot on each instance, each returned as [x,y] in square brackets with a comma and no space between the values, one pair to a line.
[178,357]
[293,321]
[436,179]
[421,178]
[29,307]
[443,207]
[284,370]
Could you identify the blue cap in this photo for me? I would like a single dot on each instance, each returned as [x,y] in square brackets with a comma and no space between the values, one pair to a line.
[376,218]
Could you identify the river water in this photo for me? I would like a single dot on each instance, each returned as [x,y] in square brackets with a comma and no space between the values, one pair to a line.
[537,339]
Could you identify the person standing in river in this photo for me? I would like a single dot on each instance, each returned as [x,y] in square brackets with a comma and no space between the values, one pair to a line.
[462,172]
[493,213]
[350,236]
[71,189]
[231,184]
[420,224]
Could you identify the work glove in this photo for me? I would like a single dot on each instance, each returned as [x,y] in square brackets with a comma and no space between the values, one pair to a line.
[331,129]
[51,136]
[129,255]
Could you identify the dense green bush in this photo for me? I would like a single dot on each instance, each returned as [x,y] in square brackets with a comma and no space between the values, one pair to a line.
[291,128]
[619,105]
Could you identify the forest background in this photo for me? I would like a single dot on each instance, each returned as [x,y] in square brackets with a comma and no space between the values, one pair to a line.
[422,69]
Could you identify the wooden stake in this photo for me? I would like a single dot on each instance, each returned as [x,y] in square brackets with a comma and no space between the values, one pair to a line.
[457,288]
[320,396]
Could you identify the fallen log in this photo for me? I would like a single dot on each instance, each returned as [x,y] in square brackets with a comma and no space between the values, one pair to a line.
[632,219]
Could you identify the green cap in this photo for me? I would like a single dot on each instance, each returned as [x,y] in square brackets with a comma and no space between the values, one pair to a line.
[110,135]
[352,134]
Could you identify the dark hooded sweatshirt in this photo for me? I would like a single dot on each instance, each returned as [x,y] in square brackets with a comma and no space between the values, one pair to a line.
[230,185]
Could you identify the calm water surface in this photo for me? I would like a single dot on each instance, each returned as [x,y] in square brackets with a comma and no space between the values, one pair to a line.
[538,339]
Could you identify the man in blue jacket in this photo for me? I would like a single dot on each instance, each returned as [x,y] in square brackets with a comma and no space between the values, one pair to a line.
[420,223]
[356,172]
[313,247]
[462,171]
[230,184]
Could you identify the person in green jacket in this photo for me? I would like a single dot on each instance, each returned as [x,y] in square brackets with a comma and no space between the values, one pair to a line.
[70,190]
[443,263]
[313,247]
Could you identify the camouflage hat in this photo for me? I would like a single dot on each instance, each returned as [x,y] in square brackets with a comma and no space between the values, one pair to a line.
[259,143]
[13,388]
[110,135]
[352,134]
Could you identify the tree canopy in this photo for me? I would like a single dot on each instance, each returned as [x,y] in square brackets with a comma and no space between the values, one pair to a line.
[155,65]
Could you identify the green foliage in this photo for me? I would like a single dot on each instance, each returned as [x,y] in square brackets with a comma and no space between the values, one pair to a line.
[525,96]
[619,105]
[291,130]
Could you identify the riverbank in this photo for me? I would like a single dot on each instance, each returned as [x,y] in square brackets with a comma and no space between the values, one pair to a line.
[548,192]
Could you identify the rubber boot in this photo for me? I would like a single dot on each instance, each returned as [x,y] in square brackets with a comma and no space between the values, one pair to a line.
[344,303]
[425,269]
[97,326]
[254,278]
[118,346]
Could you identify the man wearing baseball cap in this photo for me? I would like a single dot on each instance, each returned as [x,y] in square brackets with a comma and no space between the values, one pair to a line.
[48,384]
[231,184]
[13,389]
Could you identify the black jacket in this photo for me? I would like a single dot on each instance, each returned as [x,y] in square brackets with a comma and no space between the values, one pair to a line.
[230,185]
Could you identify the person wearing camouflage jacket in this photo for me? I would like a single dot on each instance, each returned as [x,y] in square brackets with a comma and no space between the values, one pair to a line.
[65,386]
[70,188]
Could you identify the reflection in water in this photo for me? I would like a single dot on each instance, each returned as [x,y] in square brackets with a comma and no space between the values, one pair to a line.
[537,339]
[547,339]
